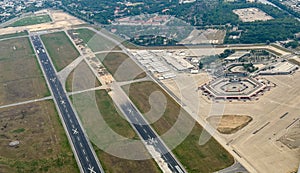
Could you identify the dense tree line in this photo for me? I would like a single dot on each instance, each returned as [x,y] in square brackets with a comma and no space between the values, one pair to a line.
[288,9]
[267,31]
[293,44]
[226,53]
[202,13]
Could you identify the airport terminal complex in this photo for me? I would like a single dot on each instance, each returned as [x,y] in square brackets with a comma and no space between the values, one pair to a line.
[231,78]
[245,96]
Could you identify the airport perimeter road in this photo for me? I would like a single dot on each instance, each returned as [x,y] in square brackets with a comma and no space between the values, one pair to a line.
[144,129]
[82,149]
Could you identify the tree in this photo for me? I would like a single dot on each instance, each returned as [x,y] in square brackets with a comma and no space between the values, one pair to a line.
[200,65]
[292,44]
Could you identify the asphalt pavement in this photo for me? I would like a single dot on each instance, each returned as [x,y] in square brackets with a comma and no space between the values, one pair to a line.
[143,128]
[89,163]
[150,137]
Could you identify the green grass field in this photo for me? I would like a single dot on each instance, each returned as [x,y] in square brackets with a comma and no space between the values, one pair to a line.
[14,35]
[85,34]
[118,124]
[80,78]
[21,78]
[60,48]
[112,117]
[196,158]
[121,66]
[31,20]
[95,41]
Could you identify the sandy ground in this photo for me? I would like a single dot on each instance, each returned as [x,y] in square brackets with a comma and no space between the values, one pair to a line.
[60,20]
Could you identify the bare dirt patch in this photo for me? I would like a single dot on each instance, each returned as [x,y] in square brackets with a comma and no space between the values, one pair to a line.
[252,14]
[229,124]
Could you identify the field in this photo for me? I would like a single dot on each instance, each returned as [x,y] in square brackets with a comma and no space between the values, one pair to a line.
[121,66]
[114,164]
[85,34]
[13,35]
[32,20]
[81,78]
[43,144]
[60,49]
[21,78]
[84,105]
[95,41]
[196,158]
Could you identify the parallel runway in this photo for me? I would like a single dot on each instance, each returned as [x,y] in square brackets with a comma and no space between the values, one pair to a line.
[86,157]
[148,135]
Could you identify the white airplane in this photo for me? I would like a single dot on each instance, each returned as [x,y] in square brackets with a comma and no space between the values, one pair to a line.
[91,169]
[75,131]
[62,102]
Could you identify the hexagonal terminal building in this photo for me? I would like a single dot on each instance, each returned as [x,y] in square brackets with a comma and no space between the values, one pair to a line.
[235,88]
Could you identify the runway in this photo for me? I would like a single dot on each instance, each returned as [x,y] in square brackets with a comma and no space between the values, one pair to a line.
[143,128]
[149,136]
[88,160]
